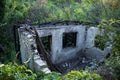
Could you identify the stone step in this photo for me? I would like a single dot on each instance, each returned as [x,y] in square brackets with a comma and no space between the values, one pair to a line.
[40,64]
[46,70]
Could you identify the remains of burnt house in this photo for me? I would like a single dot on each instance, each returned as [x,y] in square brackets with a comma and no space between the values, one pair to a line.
[60,46]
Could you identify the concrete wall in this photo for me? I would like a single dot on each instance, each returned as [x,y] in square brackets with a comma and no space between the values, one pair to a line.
[90,36]
[58,53]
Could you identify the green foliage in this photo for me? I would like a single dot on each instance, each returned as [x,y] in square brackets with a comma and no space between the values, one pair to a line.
[12,71]
[100,41]
[86,10]
[40,75]
[13,12]
[57,10]
[113,29]
[2,6]
[82,75]
[72,75]
[94,11]
[52,76]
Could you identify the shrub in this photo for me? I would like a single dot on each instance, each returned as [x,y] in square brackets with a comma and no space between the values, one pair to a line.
[52,76]
[12,71]
[100,41]
[113,62]
[40,75]
[82,75]
[73,75]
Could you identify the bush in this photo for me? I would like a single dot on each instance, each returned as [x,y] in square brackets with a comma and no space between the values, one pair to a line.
[72,75]
[52,76]
[82,75]
[40,75]
[12,12]
[113,62]
[58,10]
[100,41]
[12,71]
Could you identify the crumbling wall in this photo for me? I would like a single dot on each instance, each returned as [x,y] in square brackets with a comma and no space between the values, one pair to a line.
[84,44]
[29,53]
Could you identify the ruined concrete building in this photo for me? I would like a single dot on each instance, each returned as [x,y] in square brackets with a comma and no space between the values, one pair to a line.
[66,46]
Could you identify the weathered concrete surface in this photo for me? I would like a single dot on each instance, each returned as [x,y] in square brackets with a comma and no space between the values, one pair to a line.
[90,37]
[39,64]
[97,55]
[57,41]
